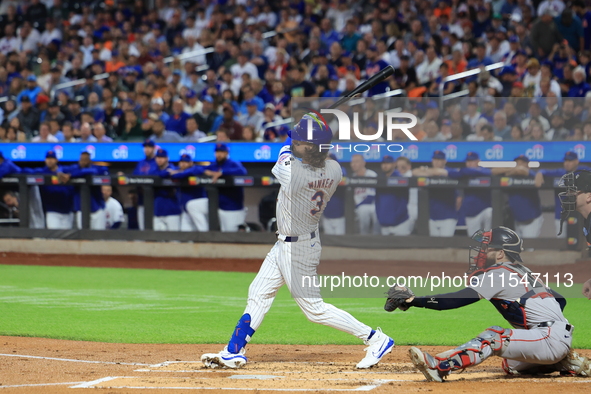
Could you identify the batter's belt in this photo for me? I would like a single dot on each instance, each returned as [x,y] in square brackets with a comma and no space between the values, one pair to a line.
[297,238]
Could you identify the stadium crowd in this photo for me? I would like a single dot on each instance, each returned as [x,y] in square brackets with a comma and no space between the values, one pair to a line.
[122,70]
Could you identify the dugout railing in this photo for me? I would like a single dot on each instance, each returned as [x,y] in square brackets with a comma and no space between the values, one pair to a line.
[498,186]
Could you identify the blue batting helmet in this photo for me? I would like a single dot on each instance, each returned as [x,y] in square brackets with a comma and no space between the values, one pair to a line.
[320,133]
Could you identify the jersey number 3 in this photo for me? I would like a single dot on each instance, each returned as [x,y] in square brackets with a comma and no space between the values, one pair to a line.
[318,198]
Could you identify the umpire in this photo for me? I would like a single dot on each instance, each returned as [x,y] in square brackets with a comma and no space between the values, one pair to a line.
[577,197]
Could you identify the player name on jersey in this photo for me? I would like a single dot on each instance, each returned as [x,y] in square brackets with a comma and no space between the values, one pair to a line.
[321,184]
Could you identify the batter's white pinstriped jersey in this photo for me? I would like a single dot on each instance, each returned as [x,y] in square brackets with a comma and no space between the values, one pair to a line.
[304,192]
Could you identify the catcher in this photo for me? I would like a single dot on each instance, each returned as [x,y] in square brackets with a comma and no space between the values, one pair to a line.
[541,339]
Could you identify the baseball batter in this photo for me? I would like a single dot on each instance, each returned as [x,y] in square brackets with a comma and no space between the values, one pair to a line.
[193,199]
[541,337]
[308,181]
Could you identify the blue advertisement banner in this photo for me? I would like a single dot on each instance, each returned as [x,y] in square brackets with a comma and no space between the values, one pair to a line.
[249,152]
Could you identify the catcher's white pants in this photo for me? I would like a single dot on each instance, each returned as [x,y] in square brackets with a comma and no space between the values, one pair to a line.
[230,220]
[481,221]
[531,229]
[167,223]
[195,216]
[291,263]
[59,221]
[557,225]
[442,228]
[367,219]
[140,217]
[530,348]
[98,220]
[333,226]
[402,229]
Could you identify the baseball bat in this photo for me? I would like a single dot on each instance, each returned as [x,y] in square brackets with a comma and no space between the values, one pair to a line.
[370,83]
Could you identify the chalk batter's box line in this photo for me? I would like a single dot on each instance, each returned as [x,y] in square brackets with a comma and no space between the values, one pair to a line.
[93,384]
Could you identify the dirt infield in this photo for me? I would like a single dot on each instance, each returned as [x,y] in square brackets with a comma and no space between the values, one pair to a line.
[36,365]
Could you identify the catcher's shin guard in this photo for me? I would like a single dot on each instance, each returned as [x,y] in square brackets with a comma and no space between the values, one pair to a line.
[241,335]
[490,342]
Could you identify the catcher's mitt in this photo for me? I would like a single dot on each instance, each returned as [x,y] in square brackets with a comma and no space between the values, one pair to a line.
[398,297]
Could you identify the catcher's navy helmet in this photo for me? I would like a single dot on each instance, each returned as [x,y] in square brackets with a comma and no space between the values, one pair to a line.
[319,133]
[502,238]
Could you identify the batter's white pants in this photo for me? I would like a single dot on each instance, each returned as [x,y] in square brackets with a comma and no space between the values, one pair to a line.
[557,225]
[140,217]
[195,216]
[531,229]
[482,221]
[292,263]
[230,220]
[367,219]
[442,228]
[334,226]
[59,221]
[403,229]
[167,223]
[98,220]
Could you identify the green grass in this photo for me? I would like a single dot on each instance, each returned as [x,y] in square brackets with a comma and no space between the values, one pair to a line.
[157,306]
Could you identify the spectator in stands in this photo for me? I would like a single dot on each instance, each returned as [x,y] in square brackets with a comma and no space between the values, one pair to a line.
[68,132]
[231,127]
[28,117]
[32,90]
[178,119]
[580,87]
[100,133]
[501,128]
[44,134]
[193,132]
[253,117]
[208,119]
[544,34]
[160,134]
[86,133]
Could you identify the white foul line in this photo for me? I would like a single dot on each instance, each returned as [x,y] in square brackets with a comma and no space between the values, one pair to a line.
[37,385]
[71,360]
[85,385]
[93,384]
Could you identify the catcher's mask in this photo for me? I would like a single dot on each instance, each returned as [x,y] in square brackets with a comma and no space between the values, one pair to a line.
[499,238]
[575,183]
